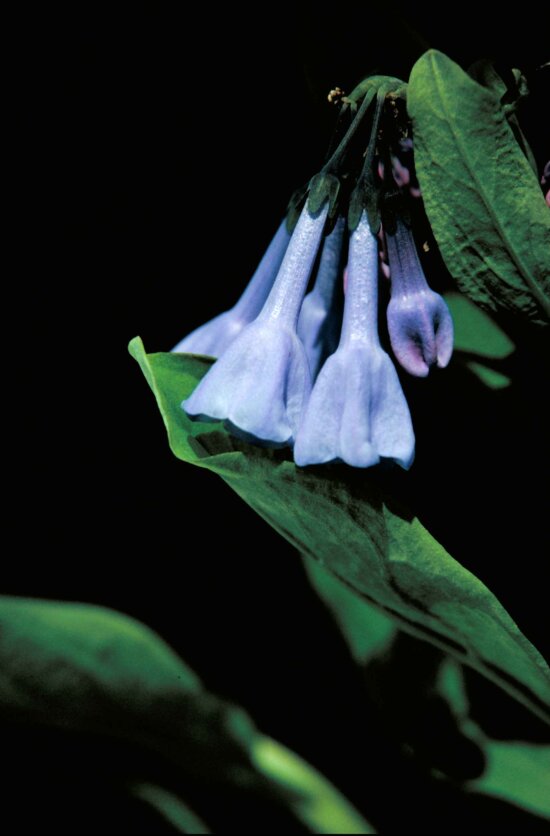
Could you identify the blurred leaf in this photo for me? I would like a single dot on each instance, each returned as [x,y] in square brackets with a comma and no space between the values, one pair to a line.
[483,200]
[171,808]
[84,668]
[488,376]
[345,519]
[450,684]
[415,691]
[366,629]
[479,340]
[519,773]
[475,331]
[321,805]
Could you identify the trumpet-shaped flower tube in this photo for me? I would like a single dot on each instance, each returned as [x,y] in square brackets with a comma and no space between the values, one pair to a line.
[321,313]
[215,336]
[261,383]
[357,412]
[419,322]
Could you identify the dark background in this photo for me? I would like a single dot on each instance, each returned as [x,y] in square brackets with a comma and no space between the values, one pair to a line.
[156,152]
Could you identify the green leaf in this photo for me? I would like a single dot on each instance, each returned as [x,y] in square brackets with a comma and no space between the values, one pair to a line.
[482,198]
[344,519]
[478,340]
[516,772]
[87,669]
[171,808]
[366,629]
[475,331]
[490,377]
[519,773]
[321,805]
[79,643]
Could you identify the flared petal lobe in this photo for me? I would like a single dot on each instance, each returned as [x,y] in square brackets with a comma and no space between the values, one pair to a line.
[357,412]
[419,322]
[259,386]
[215,336]
[261,383]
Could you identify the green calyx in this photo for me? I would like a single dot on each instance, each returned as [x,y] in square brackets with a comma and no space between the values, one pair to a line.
[348,179]
[365,195]
[375,82]
[324,186]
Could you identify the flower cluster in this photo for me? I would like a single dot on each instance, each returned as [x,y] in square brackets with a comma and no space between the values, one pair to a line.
[307,369]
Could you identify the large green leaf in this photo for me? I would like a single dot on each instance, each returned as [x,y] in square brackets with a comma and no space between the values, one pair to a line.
[515,771]
[345,519]
[86,669]
[482,198]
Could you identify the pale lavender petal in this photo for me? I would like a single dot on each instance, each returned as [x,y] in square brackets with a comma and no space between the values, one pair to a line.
[357,412]
[392,429]
[360,323]
[254,297]
[321,312]
[261,383]
[286,296]
[215,336]
[259,386]
[336,424]
[444,332]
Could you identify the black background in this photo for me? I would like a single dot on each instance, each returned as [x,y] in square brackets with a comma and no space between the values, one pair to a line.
[156,152]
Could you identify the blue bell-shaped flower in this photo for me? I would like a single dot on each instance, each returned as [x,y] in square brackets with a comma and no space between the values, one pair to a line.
[215,336]
[261,383]
[357,412]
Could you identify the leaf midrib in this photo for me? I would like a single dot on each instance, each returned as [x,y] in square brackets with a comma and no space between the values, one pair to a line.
[520,266]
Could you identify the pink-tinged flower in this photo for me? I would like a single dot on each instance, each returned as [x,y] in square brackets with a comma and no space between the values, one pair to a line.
[357,412]
[402,168]
[321,313]
[215,336]
[261,383]
[419,322]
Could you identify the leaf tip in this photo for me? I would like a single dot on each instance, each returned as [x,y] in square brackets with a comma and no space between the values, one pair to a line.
[431,64]
[136,349]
